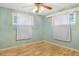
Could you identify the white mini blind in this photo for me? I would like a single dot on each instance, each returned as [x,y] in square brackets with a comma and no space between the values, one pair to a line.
[24,24]
[24,19]
[61,26]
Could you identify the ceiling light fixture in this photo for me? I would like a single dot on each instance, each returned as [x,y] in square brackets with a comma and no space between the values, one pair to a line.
[40,9]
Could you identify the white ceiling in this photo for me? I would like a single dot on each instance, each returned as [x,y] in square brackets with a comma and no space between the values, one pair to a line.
[56,7]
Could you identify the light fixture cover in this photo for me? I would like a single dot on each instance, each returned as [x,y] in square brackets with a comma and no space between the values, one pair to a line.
[40,10]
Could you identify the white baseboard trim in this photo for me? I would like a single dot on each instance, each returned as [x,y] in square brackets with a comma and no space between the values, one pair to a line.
[20,45]
[61,45]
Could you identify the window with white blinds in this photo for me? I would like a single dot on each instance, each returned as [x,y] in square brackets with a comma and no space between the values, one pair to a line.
[62,26]
[24,24]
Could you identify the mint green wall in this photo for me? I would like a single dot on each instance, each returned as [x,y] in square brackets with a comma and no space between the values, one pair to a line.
[42,30]
[47,29]
[8,33]
[74,43]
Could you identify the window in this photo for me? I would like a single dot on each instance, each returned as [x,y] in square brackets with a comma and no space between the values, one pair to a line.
[24,24]
[72,18]
[14,19]
[61,27]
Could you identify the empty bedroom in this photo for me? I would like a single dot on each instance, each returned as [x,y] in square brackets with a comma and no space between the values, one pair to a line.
[39,29]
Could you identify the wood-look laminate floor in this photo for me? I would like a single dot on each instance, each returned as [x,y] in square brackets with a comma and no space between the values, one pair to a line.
[39,49]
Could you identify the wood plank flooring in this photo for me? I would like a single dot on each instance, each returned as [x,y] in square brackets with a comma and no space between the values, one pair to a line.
[39,49]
